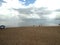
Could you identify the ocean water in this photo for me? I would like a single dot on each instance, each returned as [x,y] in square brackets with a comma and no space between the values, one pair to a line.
[42,22]
[30,22]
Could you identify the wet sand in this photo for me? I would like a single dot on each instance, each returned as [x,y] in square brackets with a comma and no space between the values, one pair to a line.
[30,36]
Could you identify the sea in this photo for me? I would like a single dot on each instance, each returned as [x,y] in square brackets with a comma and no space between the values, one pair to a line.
[31,22]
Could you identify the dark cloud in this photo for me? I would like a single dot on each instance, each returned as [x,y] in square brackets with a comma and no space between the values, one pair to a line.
[24,11]
[2,1]
[42,8]
[41,12]
[26,21]
[57,10]
[44,12]
[38,11]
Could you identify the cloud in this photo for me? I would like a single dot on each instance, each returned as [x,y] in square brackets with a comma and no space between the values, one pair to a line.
[34,13]
[57,10]
[24,11]
[51,4]
[1,2]
[58,16]
[14,12]
[43,11]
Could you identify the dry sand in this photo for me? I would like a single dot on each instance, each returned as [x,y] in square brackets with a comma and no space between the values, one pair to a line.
[30,36]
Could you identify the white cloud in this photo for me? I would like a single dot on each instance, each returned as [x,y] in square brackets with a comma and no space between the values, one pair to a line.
[13,4]
[40,3]
[51,16]
[7,10]
[34,16]
[51,4]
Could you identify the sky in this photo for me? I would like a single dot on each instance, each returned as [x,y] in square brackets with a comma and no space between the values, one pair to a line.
[18,12]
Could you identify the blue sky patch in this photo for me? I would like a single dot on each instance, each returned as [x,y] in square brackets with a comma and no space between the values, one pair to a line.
[2,1]
[27,2]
